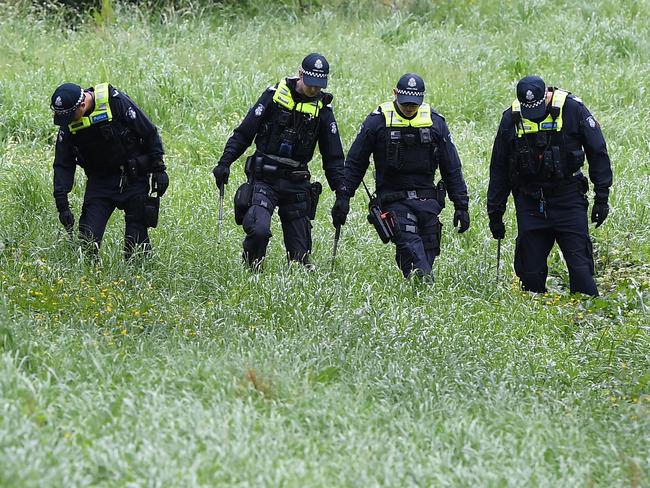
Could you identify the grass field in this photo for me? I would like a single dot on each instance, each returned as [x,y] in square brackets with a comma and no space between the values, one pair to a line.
[186,370]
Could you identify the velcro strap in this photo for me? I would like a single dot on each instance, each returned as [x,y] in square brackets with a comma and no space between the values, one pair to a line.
[413,229]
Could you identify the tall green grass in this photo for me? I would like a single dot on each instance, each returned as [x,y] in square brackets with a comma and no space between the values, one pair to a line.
[186,370]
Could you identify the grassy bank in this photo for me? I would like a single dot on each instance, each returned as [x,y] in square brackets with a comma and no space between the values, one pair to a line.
[186,370]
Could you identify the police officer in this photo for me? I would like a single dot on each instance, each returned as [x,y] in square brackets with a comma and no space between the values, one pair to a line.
[105,132]
[286,122]
[408,141]
[540,146]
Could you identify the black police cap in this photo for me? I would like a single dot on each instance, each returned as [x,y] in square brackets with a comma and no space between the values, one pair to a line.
[314,69]
[410,89]
[65,101]
[531,93]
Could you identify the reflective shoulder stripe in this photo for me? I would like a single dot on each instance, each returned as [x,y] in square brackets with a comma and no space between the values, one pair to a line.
[559,98]
[423,118]
[393,119]
[283,97]
[101,113]
[516,106]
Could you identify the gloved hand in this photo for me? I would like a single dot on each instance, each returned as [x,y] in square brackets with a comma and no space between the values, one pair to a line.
[497,226]
[461,216]
[159,182]
[67,220]
[221,173]
[599,212]
[340,210]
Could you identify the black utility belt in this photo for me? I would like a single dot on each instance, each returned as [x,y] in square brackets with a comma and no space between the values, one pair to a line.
[407,195]
[261,167]
[536,191]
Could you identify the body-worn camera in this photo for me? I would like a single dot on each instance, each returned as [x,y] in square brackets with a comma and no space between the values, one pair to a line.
[287,142]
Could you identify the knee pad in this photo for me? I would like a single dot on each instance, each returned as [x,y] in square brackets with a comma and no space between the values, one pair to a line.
[257,223]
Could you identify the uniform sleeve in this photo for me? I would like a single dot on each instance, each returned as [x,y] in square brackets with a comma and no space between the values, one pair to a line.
[358,159]
[451,169]
[331,149]
[593,141]
[65,164]
[242,137]
[500,185]
[135,119]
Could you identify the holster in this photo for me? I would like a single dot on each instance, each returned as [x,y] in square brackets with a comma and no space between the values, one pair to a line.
[314,195]
[441,193]
[242,201]
[384,222]
[253,167]
[151,211]
[138,166]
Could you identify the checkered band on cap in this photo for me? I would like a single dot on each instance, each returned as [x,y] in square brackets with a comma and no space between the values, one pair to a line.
[533,104]
[409,92]
[64,111]
[313,73]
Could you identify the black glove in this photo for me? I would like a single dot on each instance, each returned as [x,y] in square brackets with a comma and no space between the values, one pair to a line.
[340,210]
[497,226]
[461,216]
[159,182]
[599,212]
[67,220]
[221,173]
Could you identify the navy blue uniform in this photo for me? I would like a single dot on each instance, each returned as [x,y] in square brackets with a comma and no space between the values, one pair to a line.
[408,191]
[282,181]
[102,151]
[551,207]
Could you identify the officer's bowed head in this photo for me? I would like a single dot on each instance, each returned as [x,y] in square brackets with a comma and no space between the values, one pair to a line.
[66,99]
[531,93]
[314,70]
[410,89]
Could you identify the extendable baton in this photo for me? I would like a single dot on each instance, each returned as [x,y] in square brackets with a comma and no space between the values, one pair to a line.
[337,235]
[498,257]
[221,192]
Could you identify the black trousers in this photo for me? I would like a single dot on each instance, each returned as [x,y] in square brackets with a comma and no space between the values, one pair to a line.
[417,239]
[101,198]
[293,200]
[562,219]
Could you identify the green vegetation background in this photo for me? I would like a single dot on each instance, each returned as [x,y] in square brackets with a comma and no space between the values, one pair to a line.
[186,370]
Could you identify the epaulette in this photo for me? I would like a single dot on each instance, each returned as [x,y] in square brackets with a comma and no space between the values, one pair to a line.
[327,99]
[272,88]
[577,99]
[377,111]
[433,112]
